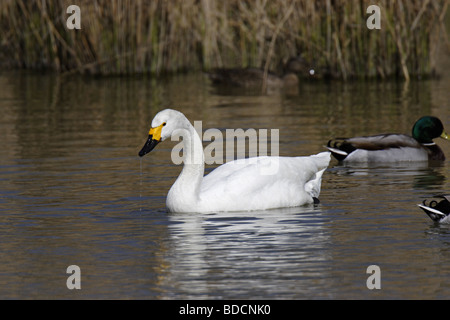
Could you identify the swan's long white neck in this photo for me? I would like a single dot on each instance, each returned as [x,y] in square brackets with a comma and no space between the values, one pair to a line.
[185,190]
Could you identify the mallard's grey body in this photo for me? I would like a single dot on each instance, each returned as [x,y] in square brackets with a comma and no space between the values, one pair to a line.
[393,147]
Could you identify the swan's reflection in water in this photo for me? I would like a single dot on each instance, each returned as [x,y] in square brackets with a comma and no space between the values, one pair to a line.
[272,251]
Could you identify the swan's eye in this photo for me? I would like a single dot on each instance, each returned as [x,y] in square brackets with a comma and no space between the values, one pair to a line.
[164,123]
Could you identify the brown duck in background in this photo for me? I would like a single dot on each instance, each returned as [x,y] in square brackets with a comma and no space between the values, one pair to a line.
[254,77]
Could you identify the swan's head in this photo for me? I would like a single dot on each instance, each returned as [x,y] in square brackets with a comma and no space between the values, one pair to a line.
[163,125]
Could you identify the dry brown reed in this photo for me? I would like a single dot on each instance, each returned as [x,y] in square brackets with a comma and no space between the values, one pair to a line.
[157,36]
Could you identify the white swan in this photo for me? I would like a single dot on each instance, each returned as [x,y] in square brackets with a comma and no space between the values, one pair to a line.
[258,183]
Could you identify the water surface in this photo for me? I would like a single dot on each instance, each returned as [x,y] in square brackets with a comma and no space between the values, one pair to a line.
[74,192]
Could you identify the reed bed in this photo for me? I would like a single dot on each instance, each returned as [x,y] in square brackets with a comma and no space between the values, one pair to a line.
[157,36]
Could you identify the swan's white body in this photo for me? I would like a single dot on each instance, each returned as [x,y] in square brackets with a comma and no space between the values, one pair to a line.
[257,183]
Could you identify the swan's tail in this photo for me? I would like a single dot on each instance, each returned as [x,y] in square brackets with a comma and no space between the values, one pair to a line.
[322,160]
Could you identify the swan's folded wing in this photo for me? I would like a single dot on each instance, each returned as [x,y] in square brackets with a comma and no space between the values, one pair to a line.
[243,176]
[267,180]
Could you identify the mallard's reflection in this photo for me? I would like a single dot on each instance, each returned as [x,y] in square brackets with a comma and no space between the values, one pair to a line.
[421,175]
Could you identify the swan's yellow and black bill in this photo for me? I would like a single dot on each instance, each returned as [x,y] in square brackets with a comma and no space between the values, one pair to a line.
[149,145]
[154,137]
[445,136]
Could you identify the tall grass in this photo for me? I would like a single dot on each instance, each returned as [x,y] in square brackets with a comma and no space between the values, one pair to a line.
[157,36]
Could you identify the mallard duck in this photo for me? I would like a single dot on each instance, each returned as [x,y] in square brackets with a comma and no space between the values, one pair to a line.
[253,77]
[393,147]
[437,211]
[257,183]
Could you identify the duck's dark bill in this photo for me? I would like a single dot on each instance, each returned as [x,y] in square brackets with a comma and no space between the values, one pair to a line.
[148,146]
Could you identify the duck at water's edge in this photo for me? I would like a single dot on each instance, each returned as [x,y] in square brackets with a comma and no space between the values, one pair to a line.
[254,77]
[437,211]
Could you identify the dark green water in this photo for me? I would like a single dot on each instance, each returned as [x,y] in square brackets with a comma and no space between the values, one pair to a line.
[74,192]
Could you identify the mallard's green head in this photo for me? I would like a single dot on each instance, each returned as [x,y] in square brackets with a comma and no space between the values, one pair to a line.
[427,128]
